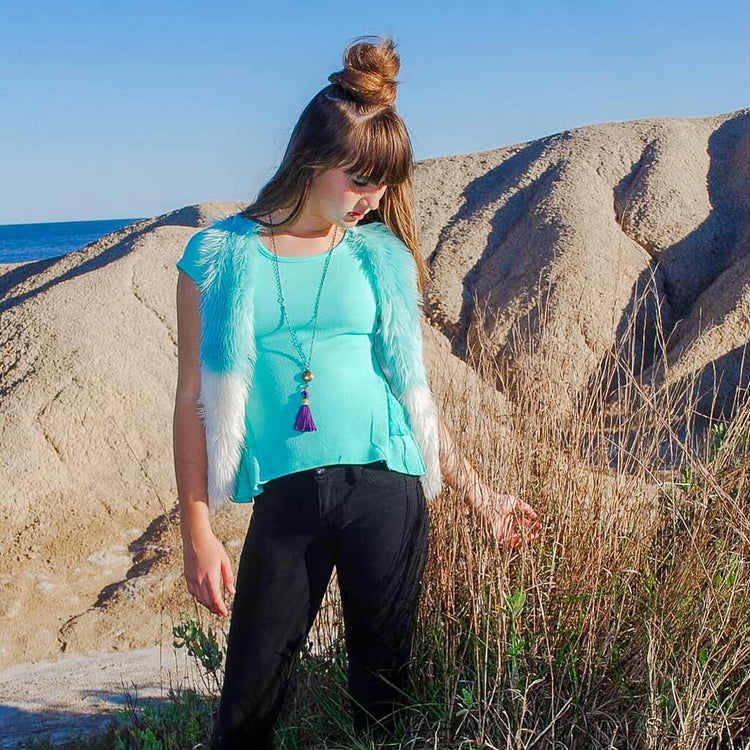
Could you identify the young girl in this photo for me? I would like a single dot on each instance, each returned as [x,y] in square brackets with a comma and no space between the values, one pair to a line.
[302,389]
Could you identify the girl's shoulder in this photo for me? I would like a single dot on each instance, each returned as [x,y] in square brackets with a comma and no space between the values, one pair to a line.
[234,224]
[221,233]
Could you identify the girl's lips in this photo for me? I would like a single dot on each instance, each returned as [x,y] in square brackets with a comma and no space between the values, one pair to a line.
[355,215]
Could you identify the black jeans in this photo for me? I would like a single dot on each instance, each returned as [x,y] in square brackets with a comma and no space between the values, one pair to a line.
[372,524]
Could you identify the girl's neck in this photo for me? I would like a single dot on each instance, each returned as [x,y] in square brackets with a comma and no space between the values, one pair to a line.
[300,240]
[305,227]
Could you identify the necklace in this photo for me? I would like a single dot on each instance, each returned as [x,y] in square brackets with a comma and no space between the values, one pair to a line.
[304,421]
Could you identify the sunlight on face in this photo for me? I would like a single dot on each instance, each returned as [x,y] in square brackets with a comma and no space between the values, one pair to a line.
[339,195]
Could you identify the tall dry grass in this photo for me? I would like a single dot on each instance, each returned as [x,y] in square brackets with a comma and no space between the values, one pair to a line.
[626,624]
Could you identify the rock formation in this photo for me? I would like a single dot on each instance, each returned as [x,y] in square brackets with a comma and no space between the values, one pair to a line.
[565,230]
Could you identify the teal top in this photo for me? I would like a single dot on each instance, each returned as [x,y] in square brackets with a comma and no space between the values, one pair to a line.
[357,416]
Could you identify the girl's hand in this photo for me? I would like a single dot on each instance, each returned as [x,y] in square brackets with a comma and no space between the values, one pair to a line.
[507,516]
[206,564]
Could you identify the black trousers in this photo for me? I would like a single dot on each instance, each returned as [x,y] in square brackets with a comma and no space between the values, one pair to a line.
[372,524]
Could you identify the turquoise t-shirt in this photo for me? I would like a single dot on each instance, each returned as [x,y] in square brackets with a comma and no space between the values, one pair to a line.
[357,416]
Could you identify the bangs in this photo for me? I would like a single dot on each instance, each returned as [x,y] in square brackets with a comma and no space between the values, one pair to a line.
[379,154]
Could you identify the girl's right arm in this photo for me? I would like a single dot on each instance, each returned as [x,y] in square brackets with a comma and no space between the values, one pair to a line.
[206,562]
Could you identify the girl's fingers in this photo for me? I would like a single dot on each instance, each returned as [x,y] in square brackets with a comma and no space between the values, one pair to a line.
[528,522]
[226,572]
[527,510]
[210,597]
[508,517]
[217,603]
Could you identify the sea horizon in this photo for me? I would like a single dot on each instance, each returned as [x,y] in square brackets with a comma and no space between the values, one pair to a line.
[25,242]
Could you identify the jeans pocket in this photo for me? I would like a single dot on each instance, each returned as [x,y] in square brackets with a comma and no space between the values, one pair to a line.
[379,475]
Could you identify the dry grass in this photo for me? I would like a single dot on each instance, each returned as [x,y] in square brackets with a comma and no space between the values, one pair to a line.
[626,624]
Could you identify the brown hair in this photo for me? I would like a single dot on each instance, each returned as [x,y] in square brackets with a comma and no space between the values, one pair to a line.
[351,123]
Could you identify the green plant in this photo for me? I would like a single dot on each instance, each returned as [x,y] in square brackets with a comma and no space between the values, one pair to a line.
[202,645]
[718,435]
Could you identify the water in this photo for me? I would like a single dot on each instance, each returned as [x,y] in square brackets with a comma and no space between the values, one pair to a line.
[24,242]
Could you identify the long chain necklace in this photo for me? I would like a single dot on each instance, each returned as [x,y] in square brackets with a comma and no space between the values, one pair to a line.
[304,421]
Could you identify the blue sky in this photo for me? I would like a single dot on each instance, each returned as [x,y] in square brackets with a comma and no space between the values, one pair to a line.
[118,110]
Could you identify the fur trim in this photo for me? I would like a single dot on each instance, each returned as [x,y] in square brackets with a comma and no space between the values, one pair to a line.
[223,398]
[423,415]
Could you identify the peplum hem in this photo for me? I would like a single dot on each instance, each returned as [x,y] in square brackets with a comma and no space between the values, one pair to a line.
[402,453]
[391,439]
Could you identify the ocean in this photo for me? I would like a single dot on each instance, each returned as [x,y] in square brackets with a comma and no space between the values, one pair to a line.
[23,242]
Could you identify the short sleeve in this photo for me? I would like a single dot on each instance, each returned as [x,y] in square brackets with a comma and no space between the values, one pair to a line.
[189,260]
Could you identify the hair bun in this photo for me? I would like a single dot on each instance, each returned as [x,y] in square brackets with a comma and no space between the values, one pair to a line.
[370,70]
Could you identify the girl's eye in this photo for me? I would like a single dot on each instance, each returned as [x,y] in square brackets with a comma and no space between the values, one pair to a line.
[360,181]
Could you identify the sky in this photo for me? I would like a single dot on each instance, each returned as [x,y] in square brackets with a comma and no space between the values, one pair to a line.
[121,110]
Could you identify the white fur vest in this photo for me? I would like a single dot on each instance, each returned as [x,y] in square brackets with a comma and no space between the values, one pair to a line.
[228,353]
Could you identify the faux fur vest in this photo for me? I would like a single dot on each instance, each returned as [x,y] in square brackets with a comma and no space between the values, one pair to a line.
[228,353]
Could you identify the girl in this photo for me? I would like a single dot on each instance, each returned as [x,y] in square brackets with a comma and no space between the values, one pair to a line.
[302,389]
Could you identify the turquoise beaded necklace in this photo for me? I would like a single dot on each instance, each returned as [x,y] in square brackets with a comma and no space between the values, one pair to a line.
[304,421]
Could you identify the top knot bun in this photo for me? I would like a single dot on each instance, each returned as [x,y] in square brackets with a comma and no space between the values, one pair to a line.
[370,70]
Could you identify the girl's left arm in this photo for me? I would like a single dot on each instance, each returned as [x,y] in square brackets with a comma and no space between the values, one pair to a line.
[506,514]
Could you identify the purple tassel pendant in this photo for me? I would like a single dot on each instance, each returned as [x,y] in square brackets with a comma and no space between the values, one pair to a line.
[304,422]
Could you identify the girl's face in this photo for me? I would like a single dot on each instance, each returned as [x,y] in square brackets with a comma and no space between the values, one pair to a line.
[343,198]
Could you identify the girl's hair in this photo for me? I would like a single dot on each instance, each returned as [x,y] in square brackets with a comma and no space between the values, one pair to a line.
[351,123]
